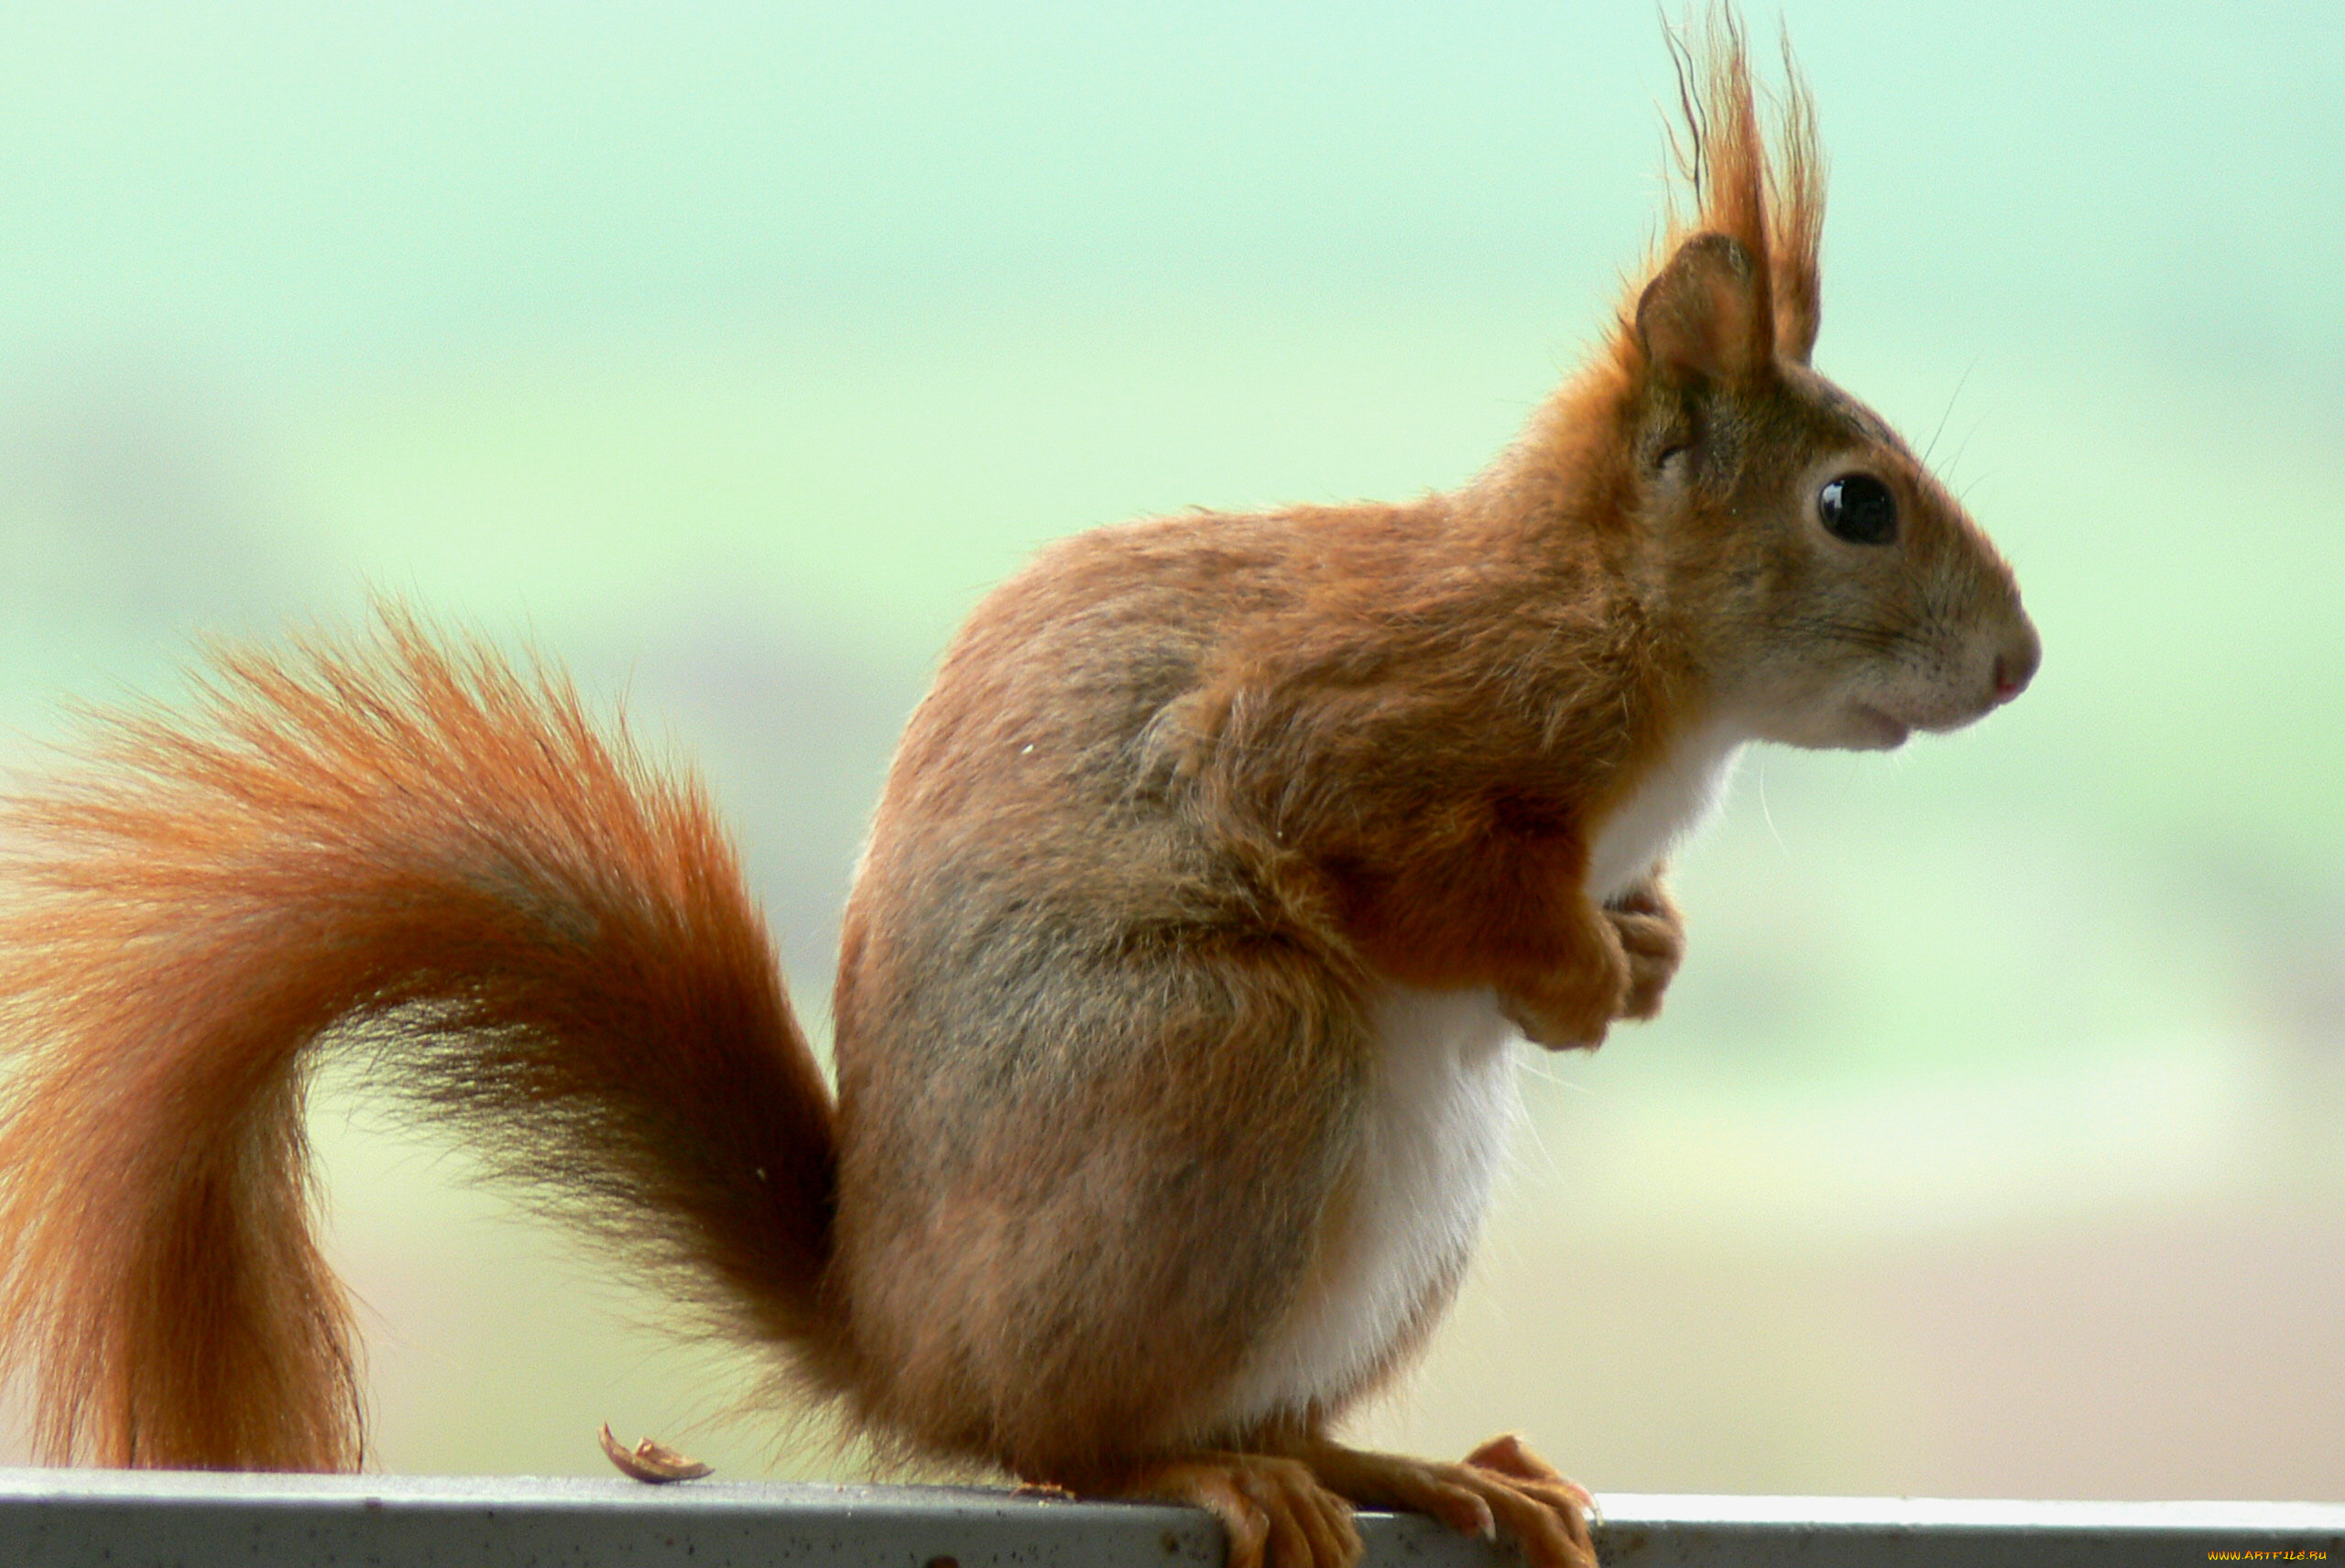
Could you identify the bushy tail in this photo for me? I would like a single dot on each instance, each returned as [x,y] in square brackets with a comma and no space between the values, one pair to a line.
[411,847]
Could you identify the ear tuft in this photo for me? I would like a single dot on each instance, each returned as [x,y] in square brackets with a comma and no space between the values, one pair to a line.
[1703,320]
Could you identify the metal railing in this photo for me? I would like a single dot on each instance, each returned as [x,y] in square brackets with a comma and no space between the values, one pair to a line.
[128,1518]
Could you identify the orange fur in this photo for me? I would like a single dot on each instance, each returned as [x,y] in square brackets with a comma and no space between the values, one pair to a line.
[1173,972]
[549,946]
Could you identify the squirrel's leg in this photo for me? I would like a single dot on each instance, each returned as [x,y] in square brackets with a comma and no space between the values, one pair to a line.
[1275,1509]
[1652,938]
[1500,1488]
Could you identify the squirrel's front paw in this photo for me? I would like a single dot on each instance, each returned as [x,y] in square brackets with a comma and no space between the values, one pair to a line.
[1557,1033]
[1570,1010]
[1652,938]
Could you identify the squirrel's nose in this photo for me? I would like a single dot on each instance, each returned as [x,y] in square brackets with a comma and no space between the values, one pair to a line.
[2016,662]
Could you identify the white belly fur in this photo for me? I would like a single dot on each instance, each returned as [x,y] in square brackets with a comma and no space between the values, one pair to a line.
[1441,1099]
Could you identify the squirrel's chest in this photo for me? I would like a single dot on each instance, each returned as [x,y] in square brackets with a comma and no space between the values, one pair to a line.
[1441,1101]
[1669,802]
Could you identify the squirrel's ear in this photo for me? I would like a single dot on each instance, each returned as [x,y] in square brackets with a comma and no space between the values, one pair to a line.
[1703,319]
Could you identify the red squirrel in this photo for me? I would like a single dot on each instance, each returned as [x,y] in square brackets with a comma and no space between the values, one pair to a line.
[1209,886]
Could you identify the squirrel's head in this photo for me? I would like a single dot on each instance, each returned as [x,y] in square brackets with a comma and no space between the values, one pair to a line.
[1827,588]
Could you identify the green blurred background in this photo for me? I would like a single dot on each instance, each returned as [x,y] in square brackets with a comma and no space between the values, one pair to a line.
[1994,1139]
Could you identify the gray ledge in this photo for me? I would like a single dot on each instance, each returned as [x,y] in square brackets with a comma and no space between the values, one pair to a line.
[197,1520]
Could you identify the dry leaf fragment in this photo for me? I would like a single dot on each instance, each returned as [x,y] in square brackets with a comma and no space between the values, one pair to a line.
[649,1461]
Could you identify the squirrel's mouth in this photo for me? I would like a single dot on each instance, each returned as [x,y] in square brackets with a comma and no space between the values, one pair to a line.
[1874,730]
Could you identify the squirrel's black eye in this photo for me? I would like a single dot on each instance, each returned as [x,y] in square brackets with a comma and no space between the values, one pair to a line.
[1858,508]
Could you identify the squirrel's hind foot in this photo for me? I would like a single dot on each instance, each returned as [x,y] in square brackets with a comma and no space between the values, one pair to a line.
[1295,1510]
[1277,1513]
[1500,1488]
